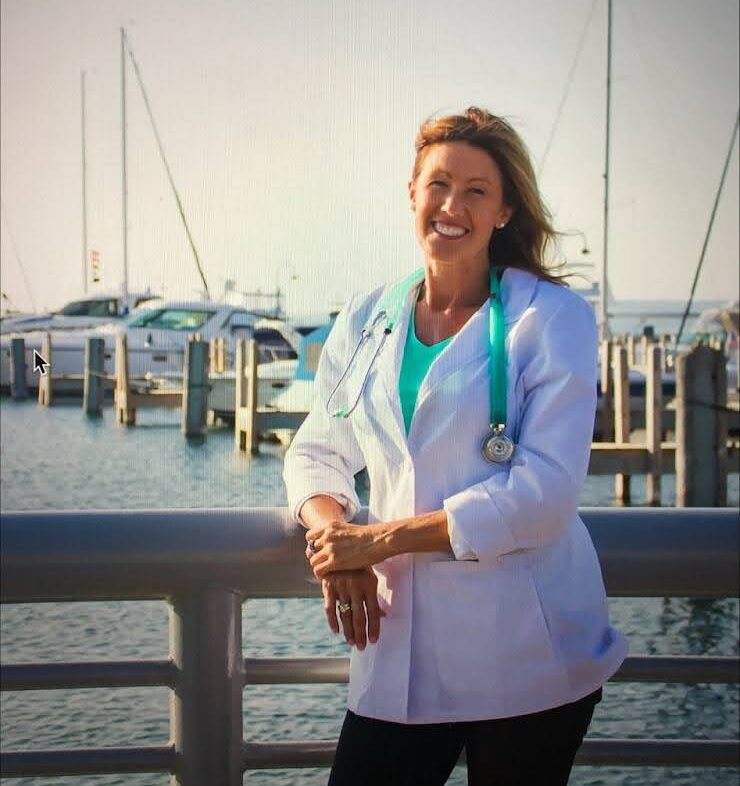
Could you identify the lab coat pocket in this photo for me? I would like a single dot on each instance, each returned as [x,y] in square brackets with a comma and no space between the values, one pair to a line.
[490,634]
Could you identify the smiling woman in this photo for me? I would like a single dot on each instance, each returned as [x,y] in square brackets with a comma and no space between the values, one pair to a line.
[468,391]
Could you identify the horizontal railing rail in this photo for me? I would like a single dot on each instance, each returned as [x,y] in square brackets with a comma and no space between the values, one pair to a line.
[206,562]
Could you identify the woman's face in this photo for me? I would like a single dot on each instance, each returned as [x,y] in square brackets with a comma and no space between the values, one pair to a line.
[458,201]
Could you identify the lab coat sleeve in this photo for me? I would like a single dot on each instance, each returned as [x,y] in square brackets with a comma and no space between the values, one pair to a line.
[324,456]
[530,503]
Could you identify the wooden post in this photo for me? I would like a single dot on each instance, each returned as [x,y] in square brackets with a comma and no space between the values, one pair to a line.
[665,341]
[94,385]
[124,414]
[631,357]
[252,438]
[621,418]
[654,423]
[607,392]
[18,387]
[217,354]
[240,393]
[701,428]
[195,388]
[45,392]
[645,342]
[221,354]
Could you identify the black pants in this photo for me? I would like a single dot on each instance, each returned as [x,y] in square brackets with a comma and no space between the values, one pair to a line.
[527,750]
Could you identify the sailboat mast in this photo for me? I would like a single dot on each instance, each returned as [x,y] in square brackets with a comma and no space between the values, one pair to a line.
[123,164]
[84,192]
[604,295]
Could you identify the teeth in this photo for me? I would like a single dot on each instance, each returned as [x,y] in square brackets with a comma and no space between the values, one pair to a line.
[448,231]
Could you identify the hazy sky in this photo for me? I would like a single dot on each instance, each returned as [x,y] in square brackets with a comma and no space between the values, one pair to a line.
[289,129]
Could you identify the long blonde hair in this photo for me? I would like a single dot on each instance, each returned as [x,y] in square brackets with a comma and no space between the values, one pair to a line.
[528,235]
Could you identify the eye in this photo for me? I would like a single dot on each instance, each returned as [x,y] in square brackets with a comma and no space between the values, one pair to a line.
[437,183]
[478,191]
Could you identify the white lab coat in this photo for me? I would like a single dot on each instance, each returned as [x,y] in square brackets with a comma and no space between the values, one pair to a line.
[517,621]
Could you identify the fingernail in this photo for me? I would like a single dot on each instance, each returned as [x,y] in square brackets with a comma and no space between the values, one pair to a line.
[373,639]
[360,646]
[351,642]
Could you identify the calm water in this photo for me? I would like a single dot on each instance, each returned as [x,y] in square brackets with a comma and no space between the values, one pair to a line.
[57,459]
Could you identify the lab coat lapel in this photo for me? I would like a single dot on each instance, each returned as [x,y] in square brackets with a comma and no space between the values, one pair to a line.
[389,365]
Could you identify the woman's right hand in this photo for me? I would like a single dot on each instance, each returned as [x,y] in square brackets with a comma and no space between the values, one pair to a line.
[360,589]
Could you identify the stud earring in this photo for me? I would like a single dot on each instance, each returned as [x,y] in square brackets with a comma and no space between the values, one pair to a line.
[500,226]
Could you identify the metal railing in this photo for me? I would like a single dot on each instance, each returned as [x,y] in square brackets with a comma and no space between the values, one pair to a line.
[206,562]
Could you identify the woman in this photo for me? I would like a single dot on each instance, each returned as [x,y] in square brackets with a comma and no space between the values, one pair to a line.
[495,635]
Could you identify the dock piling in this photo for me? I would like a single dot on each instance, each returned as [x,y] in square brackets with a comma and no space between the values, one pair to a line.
[621,418]
[607,392]
[654,422]
[701,428]
[18,387]
[125,414]
[246,398]
[195,388]
[93,390]
[45,380]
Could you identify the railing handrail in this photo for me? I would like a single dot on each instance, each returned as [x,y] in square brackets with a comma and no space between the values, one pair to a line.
[205,562]
[151,554]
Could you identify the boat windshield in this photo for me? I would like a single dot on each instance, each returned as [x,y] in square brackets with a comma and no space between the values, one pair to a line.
[171,319]
[107,307]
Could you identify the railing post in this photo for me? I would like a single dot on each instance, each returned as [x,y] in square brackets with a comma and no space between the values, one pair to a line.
[18,388]
[195,388]
[93,390]
[206,705]
[701,428]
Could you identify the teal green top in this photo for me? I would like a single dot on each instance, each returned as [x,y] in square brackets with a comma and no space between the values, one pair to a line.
[417,358]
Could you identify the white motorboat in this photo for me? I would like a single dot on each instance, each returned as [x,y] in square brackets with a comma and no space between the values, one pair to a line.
[88,312]
[157,335]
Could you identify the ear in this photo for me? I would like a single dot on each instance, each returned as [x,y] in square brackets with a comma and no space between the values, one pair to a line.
[412,194]
[505,215]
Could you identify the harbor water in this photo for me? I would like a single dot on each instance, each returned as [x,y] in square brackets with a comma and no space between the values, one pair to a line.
[57,459]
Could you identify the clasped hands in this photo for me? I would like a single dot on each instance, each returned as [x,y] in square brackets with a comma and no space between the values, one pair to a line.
[341,556]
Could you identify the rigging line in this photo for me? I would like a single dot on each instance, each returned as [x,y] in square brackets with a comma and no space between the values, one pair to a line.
[14,246]
[568,85]
[167,167]
[709,229]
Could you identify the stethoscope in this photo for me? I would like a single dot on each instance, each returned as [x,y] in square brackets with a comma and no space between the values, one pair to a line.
[496,446]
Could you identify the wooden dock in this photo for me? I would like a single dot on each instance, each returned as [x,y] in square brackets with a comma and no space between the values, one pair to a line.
[684,422]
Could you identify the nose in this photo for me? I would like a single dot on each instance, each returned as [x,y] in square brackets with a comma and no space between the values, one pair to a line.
[453,203]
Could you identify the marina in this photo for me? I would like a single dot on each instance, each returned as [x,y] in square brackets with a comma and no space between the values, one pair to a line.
[158,622]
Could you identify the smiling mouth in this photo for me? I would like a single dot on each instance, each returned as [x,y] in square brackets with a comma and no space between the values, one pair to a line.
[448,231]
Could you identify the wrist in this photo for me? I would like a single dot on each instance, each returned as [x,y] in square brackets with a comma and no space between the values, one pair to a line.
[385,541]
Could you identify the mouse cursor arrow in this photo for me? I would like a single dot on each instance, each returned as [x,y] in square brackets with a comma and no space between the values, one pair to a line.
[39,364]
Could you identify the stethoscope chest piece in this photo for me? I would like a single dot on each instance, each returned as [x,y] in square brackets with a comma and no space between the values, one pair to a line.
[497,447]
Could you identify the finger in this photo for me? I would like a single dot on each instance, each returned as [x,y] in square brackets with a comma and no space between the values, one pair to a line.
[359,620]
[330,605]
[347,625]
[374,613]
[321,565]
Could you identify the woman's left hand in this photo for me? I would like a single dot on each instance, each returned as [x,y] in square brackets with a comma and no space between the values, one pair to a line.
[341,546]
